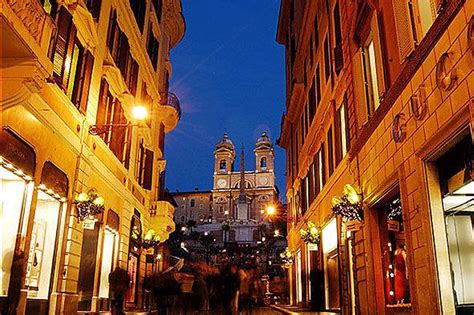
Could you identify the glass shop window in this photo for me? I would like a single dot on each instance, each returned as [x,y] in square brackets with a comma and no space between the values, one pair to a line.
[299,284]
[13,191]
[394,253]
[42,246]
[455,170]
[331,266]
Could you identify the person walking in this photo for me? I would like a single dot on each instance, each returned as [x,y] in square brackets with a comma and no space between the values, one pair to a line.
[231,285]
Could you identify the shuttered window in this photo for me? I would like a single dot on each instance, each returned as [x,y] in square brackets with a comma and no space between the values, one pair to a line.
[63,46]
[80,92]
[330,153]
[404,28]
[327,60]
[338,54]
[312,101]
[117,137]
[144,166]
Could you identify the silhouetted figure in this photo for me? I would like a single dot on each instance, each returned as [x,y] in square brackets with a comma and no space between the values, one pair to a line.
[230,290]
[17,272]
[119,282]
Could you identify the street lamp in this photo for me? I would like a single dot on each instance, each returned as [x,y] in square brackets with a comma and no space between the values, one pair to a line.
[139,113]
[271,210]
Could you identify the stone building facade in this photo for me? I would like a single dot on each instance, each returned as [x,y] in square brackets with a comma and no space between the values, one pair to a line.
[403,72]
[72,75]
[211,209]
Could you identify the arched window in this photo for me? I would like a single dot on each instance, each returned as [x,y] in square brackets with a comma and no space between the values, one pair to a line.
[263,162]
[222,165]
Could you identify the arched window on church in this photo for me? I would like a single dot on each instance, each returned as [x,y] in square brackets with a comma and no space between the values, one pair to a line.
[263,162]
[222,165]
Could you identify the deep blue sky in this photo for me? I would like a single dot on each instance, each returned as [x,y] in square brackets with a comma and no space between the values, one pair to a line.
[228,73]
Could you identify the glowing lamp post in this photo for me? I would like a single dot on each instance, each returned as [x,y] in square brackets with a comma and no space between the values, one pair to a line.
[139,113]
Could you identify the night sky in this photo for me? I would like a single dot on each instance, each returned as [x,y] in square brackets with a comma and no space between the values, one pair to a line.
[229,75]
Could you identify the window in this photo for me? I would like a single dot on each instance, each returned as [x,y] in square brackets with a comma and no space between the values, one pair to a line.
[193,203]
[370,77]
[223,165]
[413,19]
[139,9]
[393,248]
[221,209]
[338,54]
[144,166]
[94,7]
[330,153]
[50,6]
[312,101]
[318,87]
[152,47]
[110,111]
[327,59]
[119,49]
[341,133]
[263,162]
[72,64]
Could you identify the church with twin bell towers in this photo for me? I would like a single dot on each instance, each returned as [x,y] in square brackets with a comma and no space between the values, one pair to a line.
[238,197]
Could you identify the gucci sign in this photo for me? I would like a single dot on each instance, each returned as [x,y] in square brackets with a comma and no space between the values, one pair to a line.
[398,128]
[445,72]
[418,104]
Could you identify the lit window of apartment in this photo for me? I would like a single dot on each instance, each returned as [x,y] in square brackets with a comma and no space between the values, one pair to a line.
[341,133]
[370,77]
[72,64]
[413,19]
[330,153]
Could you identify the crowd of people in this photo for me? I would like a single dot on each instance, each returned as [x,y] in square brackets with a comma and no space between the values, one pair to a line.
[230,289]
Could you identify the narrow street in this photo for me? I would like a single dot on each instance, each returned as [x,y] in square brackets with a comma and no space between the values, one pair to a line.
[167,157]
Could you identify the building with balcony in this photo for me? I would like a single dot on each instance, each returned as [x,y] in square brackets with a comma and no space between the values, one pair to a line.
[379,96]
[81,165]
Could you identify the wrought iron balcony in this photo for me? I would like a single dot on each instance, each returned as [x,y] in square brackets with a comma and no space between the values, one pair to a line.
[173,101]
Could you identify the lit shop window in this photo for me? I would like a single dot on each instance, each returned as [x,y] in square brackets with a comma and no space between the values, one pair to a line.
[331,265]
[394,254]
[299,284]
[43,241]
[15,189]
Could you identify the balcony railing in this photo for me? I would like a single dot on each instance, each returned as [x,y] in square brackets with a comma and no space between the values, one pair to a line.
[32,15]
[173,101]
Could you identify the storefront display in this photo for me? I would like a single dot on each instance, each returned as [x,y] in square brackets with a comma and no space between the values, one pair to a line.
[134,257]
[456,177]
[299,284]
[331,265]
[17,166]
[109,250]
[394,261]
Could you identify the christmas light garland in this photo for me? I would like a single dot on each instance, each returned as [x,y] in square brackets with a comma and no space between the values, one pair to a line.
[89,204]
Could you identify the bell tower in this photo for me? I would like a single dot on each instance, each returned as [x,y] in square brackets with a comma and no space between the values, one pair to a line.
[224,156]
[264,154]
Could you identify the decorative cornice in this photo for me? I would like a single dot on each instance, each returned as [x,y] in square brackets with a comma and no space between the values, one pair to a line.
[174,22]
